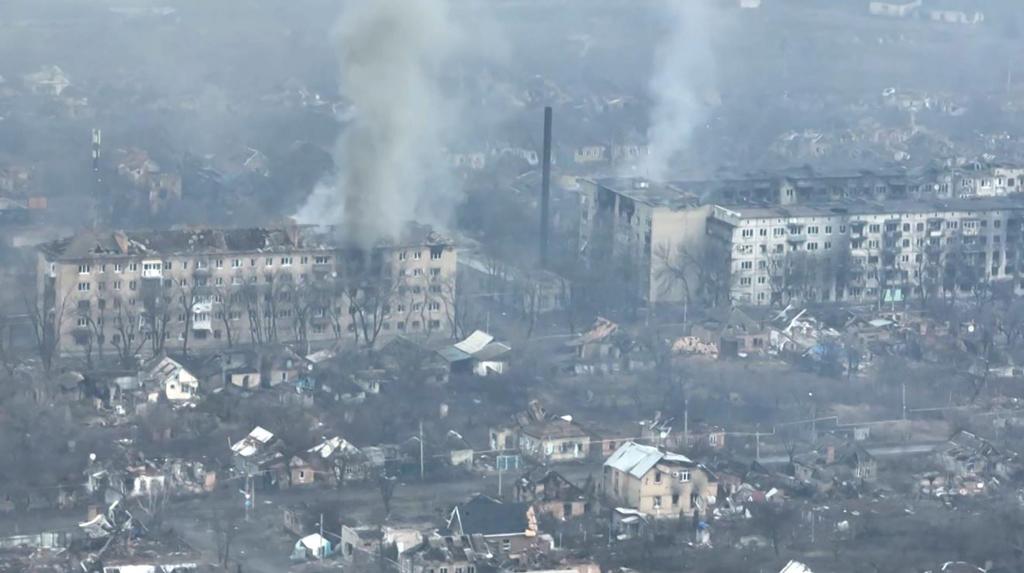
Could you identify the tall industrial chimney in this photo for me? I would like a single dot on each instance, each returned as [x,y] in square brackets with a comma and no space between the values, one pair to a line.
[545,190]
[97,141]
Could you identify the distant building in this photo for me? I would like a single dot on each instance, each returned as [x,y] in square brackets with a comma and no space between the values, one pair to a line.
[657,231]
[894,9]
[982,181]
[142,292]
[867,251]
[555,440]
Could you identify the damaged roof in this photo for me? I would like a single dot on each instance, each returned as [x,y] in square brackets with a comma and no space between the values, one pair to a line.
[636,459]
[208,241]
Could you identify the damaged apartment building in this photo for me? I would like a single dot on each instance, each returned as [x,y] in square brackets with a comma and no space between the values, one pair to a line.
[141,293]
[881,242]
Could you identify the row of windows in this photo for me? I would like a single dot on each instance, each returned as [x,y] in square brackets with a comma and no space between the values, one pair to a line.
[797,229]
[86,268]
[435,255]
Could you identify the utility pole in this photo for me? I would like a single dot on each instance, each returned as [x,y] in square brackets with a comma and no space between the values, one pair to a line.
[323,549]
[757,443]
[814,418]
[903,401]
[686,422]
[421,450]
[499,481]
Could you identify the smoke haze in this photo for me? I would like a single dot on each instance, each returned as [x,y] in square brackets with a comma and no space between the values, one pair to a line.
[389,156]
[684,75]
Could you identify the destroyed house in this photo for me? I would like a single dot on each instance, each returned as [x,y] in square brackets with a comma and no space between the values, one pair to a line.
[170,378]
[225,286]
[967,455]
[436,553]
[260,454]
[552,494]
[508,528]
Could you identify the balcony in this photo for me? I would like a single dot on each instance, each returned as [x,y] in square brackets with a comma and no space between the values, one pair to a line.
[152,269]
[796,238]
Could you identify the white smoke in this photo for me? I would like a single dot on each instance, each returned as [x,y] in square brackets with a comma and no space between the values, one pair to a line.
[682,79]
[389,159]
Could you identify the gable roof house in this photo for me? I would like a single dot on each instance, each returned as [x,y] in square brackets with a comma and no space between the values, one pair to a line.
[554,440]
[169,377]
[260,454]
[479,353]
[509,528]
[658,483]
[543,438]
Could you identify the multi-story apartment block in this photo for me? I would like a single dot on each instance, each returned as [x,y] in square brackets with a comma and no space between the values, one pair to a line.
[140,293]
[634,227]
[653,233]
[981,181]
[869,239]
[868,251]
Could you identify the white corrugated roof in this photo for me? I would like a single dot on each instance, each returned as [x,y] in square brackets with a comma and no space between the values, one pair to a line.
[261,434]
[796,567]
[475,342]
[250,444]
[636,459]
[329,447]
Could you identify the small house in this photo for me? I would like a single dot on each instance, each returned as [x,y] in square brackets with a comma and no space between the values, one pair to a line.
[508,528]
[552,494]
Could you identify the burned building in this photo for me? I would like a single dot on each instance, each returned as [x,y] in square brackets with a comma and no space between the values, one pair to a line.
[879,240]
[867,251]
[654,233]
[141,293]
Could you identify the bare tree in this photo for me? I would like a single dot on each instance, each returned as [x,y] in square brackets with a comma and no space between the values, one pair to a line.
[370,287]
[457,309]
[386,487]
[776,521]
[48,325]
[228,299]
[127,339]
[224,523]
[190,295]
[156,313]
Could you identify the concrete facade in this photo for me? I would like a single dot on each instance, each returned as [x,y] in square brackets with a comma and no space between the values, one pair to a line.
[141,293]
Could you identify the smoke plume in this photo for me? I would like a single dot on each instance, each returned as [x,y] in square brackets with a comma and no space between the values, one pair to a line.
[683,75]
[389,163]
